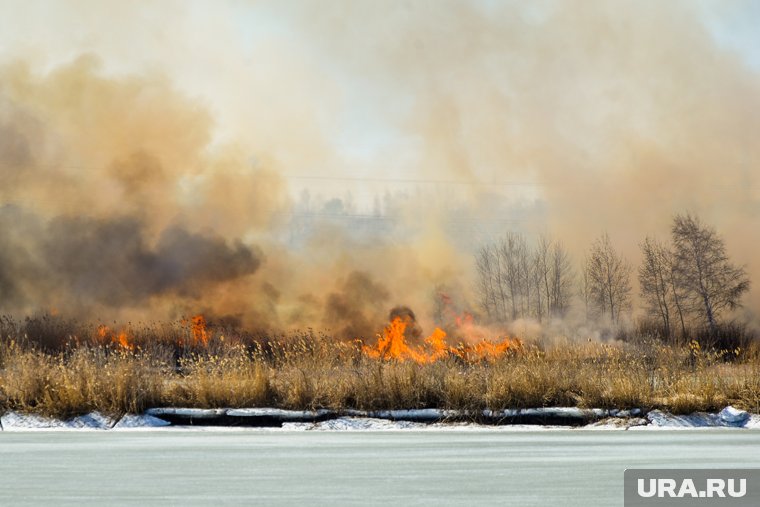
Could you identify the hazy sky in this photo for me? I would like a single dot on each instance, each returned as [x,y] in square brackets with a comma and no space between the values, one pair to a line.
[248,60]
[592,115]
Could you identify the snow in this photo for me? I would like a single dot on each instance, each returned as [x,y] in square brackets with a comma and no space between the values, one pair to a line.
[375,424]
[729,417]
[733,416]
[288,415]
[753,423]
[634,412]
[548,412]
[12,421]
[195,413]
[131,421]
[418,415]
[617,423]
[388,420]
[355,424]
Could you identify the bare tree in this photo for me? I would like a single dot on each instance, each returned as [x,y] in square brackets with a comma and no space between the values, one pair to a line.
[511,248]
[710,282]
[584,290]
[608,279]
[655,282]
[541,274]
[677,291]
[515,280]
[485,264]
[559,287]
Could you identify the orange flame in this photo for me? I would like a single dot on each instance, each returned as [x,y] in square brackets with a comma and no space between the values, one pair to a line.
[392,345]
[200,335]
[122,338]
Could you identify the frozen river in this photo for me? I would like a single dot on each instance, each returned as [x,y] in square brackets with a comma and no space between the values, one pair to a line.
[490,467]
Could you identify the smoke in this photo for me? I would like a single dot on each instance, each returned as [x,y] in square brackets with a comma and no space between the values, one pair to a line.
[616,115]
[145,176]
[353,310]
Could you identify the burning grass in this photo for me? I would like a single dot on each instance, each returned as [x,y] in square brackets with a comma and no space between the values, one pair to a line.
[392,345]
[189,364]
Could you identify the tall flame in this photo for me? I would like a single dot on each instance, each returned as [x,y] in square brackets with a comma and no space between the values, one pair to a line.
[200,335]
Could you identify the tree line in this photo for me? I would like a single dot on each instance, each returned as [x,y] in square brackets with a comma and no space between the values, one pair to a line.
[518,280]
[688,280]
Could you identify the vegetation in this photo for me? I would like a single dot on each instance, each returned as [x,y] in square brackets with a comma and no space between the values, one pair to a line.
[310,371]
[687,287]
[606,281]
[517,280]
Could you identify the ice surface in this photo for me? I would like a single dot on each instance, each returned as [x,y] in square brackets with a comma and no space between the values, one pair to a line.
[227,466]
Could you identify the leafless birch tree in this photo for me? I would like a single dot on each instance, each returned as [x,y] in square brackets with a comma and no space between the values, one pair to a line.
[711,283]
[608,277]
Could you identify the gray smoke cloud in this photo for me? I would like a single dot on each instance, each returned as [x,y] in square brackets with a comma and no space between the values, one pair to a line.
[154,192]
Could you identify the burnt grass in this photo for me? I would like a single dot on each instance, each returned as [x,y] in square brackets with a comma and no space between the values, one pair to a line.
[61,368]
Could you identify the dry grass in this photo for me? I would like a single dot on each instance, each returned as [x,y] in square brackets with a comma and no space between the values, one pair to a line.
[306,372]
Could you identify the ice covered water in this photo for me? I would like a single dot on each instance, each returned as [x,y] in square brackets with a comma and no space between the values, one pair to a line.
[495,467]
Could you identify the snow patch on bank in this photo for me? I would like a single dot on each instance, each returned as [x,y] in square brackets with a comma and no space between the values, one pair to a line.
[354,424]
[16,421]
[753,423]
[390,420]
[132,421]
[373,424]
[729,417]
[617,423]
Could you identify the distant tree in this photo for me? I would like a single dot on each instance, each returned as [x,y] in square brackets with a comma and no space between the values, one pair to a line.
[584,291]
[512,251]
[608,280]
[516,280]
[486,266]
[655,282]
[560,281]
[710,283]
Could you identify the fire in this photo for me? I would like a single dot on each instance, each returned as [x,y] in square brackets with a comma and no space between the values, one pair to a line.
[392,345]
[122,338]
[123,341]
[486,350]
[200,335]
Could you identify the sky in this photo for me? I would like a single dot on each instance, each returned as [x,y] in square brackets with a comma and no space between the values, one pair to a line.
[244,59]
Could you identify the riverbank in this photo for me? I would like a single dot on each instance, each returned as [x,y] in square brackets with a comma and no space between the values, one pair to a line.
[536,418]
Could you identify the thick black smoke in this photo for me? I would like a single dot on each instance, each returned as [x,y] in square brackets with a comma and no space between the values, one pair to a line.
[84,261]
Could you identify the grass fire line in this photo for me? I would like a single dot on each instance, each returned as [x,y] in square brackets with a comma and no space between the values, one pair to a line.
[56,367]
[392,344]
